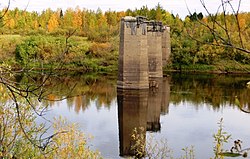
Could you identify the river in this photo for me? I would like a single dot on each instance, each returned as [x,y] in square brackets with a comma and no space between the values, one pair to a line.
[183,111]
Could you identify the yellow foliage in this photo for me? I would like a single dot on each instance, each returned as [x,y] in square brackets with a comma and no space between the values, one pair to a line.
[77,19]
[102,21]
[53,22]
[51,97]
[120,15]
[70,142]
[35,24]
[100,49]
[11,23]
[242,20]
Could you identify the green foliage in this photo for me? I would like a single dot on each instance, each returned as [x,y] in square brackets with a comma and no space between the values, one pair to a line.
[72,143]
[27,51]
[242,57]
[102,27]
[49,50]
[150,148]
[195,16]
[208,54]
[7,47]
[78,53]
[220,138]
[12,134]
[230,154]
[189,153]
[138,145]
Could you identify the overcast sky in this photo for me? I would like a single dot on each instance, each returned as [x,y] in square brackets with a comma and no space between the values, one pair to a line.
[173,6]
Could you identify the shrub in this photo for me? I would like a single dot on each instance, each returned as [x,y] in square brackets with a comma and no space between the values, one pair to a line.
[100,49]
[27,51]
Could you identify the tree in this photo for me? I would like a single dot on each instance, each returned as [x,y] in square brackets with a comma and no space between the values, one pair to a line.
[20,136]
[195,16]
[53,22]
[218,24]
[111,18]
[77,19]
[68,18]
[158,14]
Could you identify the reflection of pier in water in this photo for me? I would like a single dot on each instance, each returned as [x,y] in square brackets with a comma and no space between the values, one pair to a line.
[141,108]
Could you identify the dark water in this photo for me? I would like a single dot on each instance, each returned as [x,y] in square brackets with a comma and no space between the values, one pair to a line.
[184,110]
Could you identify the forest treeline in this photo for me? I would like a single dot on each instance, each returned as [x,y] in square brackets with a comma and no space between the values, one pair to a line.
[89,40]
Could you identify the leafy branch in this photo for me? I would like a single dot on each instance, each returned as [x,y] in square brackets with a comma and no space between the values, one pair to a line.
[214,26]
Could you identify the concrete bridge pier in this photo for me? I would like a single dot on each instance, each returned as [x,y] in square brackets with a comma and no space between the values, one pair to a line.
[166,46]
[144,49]
[155,54]
[133,55]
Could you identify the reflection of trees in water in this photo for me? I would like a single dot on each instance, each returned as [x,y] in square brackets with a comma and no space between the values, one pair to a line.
[78,90]
[217,90]
[102,92]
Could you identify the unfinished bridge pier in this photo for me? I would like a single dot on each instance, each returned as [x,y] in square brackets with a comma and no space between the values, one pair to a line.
[144,47]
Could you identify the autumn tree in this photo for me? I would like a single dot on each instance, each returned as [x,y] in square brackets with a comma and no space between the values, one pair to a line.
[102,26]
[44,18]
[218,24]
[68,18]
[77,19]
[53,22]
[158,12]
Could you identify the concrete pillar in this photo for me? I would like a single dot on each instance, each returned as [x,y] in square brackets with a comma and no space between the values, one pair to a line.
[154,105]
[132,113]
[155,54]
[133,55]
[166,46]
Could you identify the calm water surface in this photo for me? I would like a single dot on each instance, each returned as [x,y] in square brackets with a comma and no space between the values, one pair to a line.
[184,110]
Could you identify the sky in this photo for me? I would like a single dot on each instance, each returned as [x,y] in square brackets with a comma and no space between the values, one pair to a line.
[173,6]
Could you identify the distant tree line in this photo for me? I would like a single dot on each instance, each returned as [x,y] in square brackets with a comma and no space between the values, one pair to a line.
[192,39]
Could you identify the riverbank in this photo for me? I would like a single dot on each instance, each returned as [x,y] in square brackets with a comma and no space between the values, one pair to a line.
[222,67]
[78,54]
[46,52]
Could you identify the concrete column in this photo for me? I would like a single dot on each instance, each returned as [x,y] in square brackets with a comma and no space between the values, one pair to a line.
[166,46]
[155,54]
[133,55]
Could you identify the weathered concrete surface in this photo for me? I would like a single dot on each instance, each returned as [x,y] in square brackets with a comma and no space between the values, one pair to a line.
[166,46]
[133,57]
[155,54]
[144,49]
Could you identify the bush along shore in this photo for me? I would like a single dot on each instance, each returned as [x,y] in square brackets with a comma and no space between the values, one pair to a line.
[88,41]
[46,52]
[43,52]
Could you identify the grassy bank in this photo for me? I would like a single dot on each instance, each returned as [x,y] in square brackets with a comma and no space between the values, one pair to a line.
[58,52]
[75,53]
[222,66]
